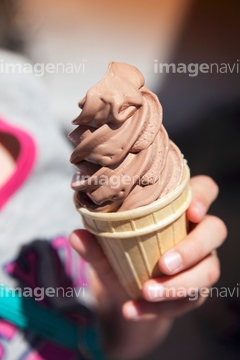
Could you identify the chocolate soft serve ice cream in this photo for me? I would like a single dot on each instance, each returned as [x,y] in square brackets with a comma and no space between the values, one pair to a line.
[123,154]
[132,183]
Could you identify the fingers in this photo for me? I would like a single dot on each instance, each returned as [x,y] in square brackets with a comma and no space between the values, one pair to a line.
[205,191]
[202,275]
[172,296]
[88,248]
[143,310]
[86,245]
[208,235]
[193,264]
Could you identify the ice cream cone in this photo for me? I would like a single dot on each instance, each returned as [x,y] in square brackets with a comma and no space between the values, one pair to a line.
[134,240]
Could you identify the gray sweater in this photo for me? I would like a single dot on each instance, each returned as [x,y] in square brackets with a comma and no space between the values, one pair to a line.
[38,217]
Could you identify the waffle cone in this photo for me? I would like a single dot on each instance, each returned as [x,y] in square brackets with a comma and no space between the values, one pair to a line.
[134,240]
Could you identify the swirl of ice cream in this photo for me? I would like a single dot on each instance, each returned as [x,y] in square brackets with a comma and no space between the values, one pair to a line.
[123,154]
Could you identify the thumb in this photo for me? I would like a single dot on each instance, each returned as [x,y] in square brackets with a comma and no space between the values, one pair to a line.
[89,249]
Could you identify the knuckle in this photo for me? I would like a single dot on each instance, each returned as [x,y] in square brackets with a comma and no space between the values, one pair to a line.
[211,185]
[193,250]
[208,183]
[220,227]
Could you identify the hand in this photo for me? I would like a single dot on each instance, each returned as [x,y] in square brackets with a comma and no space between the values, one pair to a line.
[191,265]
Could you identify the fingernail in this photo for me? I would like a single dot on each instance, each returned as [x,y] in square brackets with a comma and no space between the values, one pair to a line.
[155,292]
[173,260]
[131,311]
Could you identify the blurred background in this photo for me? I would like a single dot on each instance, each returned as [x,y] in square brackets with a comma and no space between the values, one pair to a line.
[201,113]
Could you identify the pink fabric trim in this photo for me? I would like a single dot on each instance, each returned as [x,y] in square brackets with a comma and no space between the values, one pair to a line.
[7,330]
[24,163]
